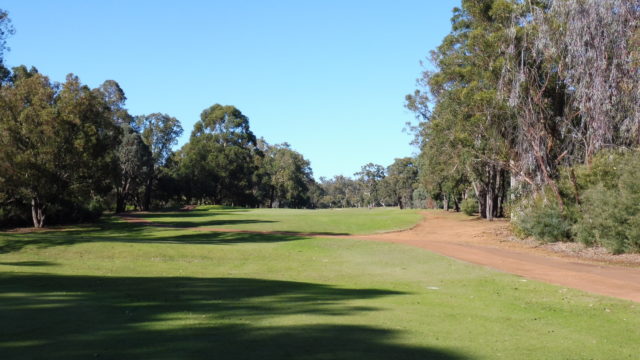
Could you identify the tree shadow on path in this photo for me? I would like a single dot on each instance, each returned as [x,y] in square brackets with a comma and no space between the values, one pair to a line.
[68,317]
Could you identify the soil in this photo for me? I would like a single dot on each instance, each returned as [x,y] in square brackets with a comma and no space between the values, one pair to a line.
[490,243]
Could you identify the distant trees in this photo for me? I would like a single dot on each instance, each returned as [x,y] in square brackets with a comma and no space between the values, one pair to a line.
[285,175]
[373,185]
[369,178]
[401,181]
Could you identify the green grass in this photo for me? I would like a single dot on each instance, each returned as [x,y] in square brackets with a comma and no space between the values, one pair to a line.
[126,291]
[329,221]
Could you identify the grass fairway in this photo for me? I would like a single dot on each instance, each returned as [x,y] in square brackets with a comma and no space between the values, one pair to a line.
[331,221]
[127,291]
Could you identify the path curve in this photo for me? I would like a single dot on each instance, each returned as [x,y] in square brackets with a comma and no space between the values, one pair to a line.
[479,242]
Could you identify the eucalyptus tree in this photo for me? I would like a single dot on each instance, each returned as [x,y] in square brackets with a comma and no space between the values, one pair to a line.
[159,132]
[470,122]
[594,45]
[401,180]
[136,163]
[572,78]
[370,176]
[54,142]
[6,29]
[218,163]
[286,175]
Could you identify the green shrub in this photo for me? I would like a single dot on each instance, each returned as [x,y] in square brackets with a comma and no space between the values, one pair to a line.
[469,206]
[542,218]
[610,210]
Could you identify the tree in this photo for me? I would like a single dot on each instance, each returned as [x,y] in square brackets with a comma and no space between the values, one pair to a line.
[370,175]
[160,132]
[286,174]
[54,140]
[592,45]
[6,29]
[218,163]
[136,162]
[466,136]
[402,178]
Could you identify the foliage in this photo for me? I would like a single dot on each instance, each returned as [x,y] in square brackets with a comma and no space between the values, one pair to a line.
[543,218]
[469,206]
[610,204]
[464,138]
[285,175]
[55,141]
[218,164]
[159,132]
[402,177]
[6,29]
[135,162]
[370,176]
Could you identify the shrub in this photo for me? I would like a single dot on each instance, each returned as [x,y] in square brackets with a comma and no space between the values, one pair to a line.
[610,210]
[469,206]
[542,218]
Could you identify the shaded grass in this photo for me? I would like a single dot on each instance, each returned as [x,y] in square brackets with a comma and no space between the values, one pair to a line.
[127,291]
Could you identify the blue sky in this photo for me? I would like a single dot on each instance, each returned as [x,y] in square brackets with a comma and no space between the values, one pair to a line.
[328,77]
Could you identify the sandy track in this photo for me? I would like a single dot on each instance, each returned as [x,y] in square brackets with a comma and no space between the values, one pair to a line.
[482,242]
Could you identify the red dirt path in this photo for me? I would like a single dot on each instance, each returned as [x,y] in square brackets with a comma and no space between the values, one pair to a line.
[484,243]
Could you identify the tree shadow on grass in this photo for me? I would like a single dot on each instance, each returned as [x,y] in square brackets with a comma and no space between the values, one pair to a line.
[67,317]
[28,263]
[122,232]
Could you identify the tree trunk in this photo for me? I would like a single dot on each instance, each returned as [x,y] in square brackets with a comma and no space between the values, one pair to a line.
[37,212]
[445,202]
[499,189]
[481,195]
[120,203]
[146,203]
[489,206]
[490,194]
[271,197]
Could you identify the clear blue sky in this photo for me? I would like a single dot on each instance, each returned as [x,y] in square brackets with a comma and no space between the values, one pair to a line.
[328,77]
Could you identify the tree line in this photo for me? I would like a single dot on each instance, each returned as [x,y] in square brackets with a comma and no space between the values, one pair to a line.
[69,152]
[532,109]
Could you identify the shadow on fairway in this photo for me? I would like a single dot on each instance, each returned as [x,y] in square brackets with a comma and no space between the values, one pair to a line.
[112,230]
[194,218]
[122,232]
[67,317]
[28,263]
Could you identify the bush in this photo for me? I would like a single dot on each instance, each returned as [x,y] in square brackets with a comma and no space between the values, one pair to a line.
[610,210]
[542,218]
[469,206]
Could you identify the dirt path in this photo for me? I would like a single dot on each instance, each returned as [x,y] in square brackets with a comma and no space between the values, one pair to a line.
[483,243]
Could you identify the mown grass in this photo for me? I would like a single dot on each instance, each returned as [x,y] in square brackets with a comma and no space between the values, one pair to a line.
[127,291]
[328,221]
